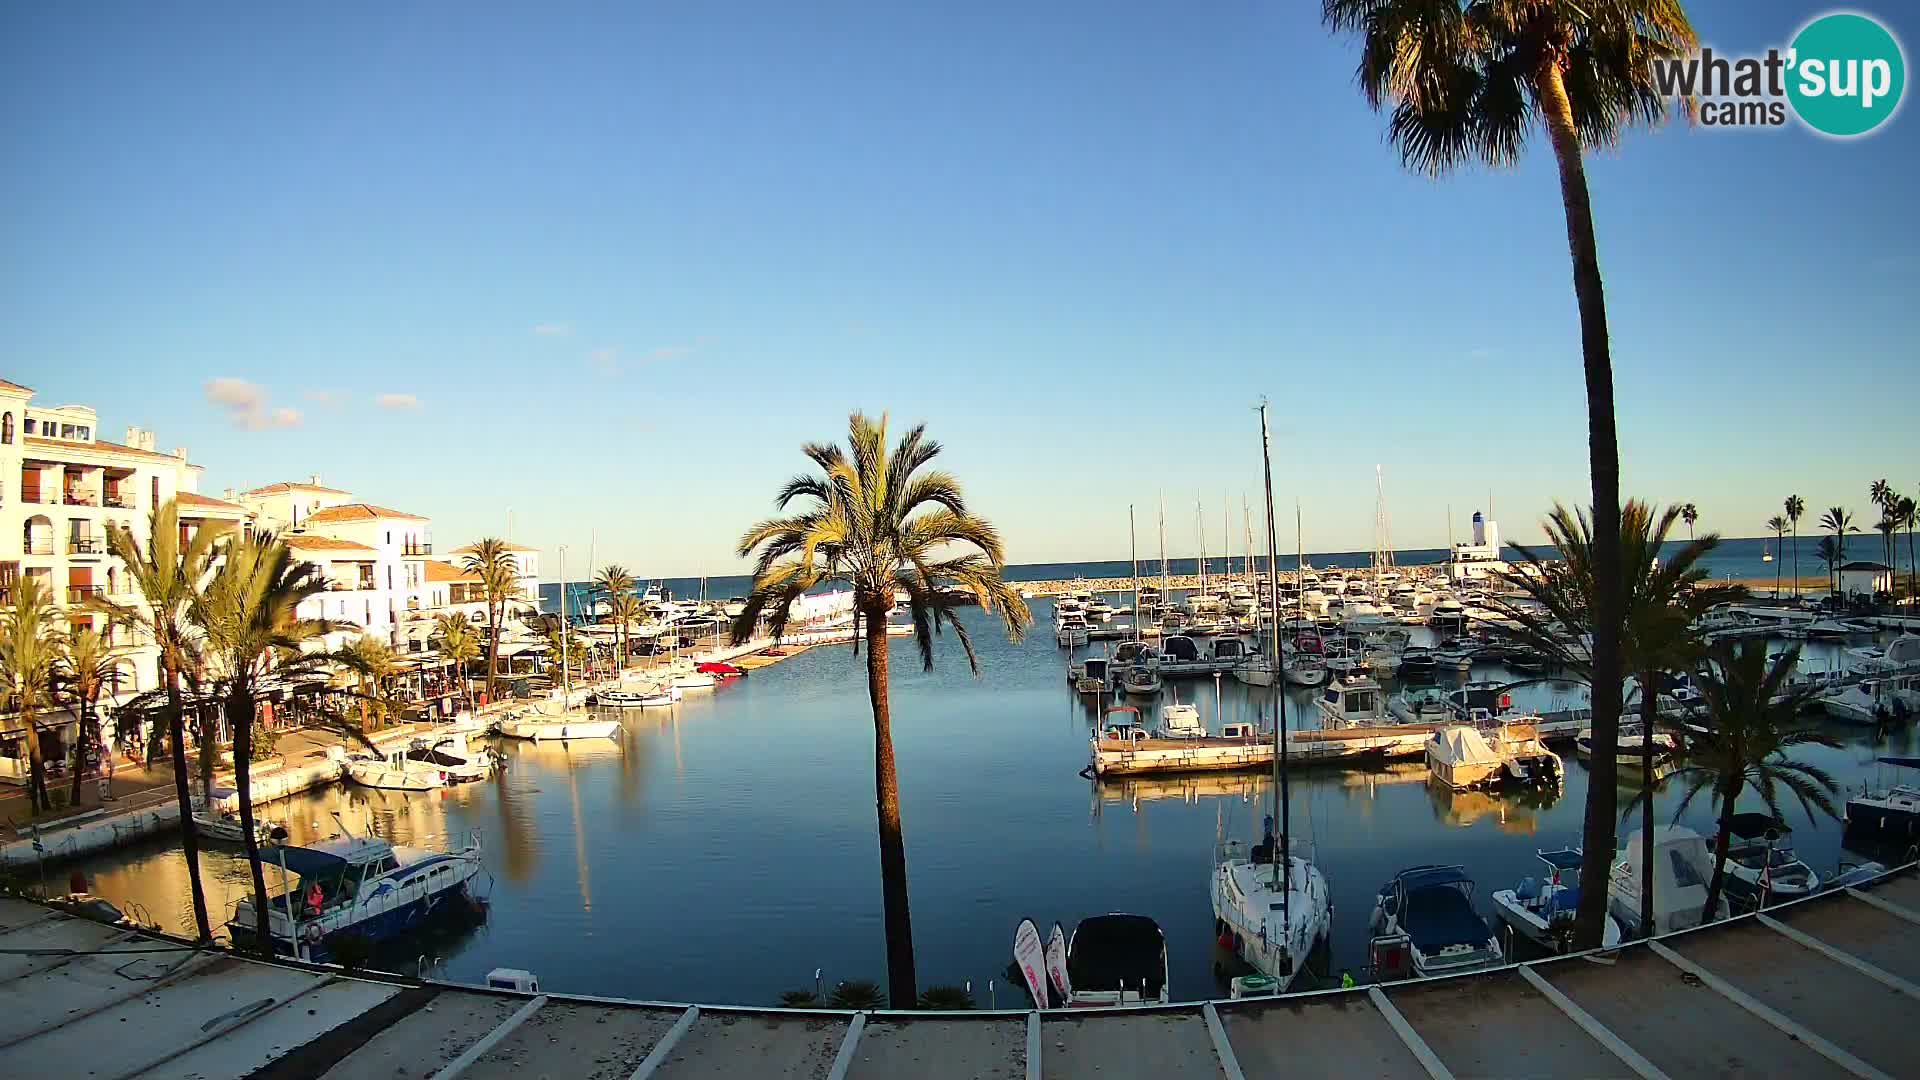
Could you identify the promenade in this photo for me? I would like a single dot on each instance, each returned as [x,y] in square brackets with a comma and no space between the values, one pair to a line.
[1826,986]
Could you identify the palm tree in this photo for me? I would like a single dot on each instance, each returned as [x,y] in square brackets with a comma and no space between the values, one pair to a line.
[615,583]
[1829,553]
[1749,727]
[625,610]
[84,668]
[1779,526]
[1689,513]
[1887,526]
[499,575]
[882,523]
[1467,83]
[250,613]
[1909,516]
[1795,506]
[1665,595]
[459,645]
[372,663]
[1838,520]
[30,644]
[1882,496]
[168,575]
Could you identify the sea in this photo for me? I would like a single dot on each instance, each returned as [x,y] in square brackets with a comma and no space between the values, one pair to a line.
[1732,560]
[723,850]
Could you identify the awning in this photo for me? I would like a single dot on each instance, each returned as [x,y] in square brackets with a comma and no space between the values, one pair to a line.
[517,648]
[306,861]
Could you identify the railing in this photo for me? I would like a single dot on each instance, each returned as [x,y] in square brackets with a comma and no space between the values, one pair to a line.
[40,547]
[79,594]
[80,498]
[417,549]
[120,502]
[86,545]
[31,495]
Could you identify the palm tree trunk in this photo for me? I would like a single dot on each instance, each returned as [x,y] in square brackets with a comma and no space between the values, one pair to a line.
[1603,450]
[1776,571]
[493,647]
[1720,845]
[189,841]
[1910,564]
[240,710]
[893,848]
[1796,560]
[88,727]
[36,767]
[1649,712]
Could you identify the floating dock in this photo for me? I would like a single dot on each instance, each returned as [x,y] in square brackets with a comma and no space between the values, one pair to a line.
[1312,746]
[1826,986]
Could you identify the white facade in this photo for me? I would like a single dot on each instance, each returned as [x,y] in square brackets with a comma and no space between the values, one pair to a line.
[1865,579]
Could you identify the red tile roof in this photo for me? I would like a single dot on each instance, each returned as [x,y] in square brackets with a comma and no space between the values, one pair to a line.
[5,385]
[100,445]
[439,571]
[275,489]
[189,498]
[356,512]
[471,548]
[322,543]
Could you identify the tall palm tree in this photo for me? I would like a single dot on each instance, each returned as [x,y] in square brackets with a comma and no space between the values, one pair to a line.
[30,643]
[1689,513]
[250,615]
[1828,552]
[499,575]
[1466,85]
[1887,526]
[372,663]
[1908,514]
[84,668]
[1749,727]
[1665,595]
[1779,526]
[614,583]
[625,610]
[459,645]
[1795,506]
[1838,520]
[168,575]
[1884,498]
[882,522]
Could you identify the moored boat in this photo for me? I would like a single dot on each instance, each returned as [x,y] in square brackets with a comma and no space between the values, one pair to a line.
[547,727]
[1424,924]
[394,772]
[1761,866]
[1543,911]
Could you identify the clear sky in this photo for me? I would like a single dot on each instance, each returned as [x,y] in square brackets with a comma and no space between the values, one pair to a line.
[607,266]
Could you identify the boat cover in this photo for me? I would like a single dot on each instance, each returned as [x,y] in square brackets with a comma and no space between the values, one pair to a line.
[1563,860]
[1440,915]
[1903,762]
[1462,746]
[1750,825]
[1110,949]
[307,862]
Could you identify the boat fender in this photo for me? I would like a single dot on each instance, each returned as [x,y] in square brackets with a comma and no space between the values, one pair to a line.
[313,933]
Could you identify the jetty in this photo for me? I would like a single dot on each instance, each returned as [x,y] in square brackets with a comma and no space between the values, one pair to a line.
[1824,986]
[1142,754]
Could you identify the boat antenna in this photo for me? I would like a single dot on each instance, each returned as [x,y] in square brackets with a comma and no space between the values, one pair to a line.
[1282,802]
[1133,551]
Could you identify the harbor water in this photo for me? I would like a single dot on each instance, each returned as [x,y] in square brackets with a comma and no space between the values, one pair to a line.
[724,849]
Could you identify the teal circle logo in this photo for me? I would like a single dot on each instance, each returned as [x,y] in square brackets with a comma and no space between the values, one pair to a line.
[1847,74]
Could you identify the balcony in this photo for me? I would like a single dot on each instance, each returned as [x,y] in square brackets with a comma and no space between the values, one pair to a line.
[39,547]
[80,498]
[119,501]
[416,549]
[80,594]
[86,545]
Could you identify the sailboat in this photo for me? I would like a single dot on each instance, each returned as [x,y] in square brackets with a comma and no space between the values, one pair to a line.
[1271,904]
[1766,552]
[568,722]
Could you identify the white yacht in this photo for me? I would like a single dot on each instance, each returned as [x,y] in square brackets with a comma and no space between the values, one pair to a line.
[458,761]
[1178,721]
[1352,702]
[555,727]
[1272,910]
[1425,705]
[1255,670]
[1682,866]
[224,825]
[1507,756]
[1872,701]
[1761,863]
[394,772]
[1070,628]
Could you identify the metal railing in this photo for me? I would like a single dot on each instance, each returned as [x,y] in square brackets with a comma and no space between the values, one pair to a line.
[79,594]
[120,502]
[417,549]
[86,545]
[80,498]
[39,547]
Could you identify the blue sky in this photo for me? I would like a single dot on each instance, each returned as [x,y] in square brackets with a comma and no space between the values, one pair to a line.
[609,265]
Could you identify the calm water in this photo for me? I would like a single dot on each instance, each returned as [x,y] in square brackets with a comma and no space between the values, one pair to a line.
[723,850]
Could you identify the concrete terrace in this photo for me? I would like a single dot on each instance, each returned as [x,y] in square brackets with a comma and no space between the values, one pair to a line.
[1823,987]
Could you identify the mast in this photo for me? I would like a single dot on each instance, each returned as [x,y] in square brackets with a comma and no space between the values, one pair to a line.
[1133,552]
[566,674]
[1164,581]
[1282,803]
[1200,561]
[1299,562]
[1246,567]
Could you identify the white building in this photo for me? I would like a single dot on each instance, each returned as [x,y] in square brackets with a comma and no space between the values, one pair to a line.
[61,486]
[1868,579]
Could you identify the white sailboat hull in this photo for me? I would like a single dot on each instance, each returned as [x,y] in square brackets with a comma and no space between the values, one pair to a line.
[1246,906]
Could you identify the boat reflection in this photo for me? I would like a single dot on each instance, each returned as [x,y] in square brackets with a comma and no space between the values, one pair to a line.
[1131,791]
[1516,812]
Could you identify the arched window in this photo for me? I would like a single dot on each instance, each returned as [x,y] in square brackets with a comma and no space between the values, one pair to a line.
[6,428]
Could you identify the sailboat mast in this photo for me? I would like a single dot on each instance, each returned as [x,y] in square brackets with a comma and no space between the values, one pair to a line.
[1133,552]
[1200,562]
[1164,580]
[566,674]
[1299,562]
[1282,802]
[1246,525]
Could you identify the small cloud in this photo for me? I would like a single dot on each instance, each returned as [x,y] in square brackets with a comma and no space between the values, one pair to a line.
[605,360]
[397,401]
[245,404]
[326,399]
[553,329]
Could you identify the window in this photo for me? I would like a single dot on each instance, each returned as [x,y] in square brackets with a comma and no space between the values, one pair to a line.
[29,425]
[1684,875]
[84,431]
[6,428]
[389,536]
[156,491]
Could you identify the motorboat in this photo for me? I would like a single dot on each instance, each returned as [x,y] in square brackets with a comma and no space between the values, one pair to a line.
[1682,866]
[1424,923]
[457,760]
[694,680]
[1887,818]
[1254,670]
[1880,700]
[1306,669]
[550,727]
[1098,610]
[620,699]
[224,825]
[1141,678]
[1508,756]
[1230,652]
[1181,721]
[367,889]
[393,772]
[1427,705]
[719,669]
[1629,748]
[1761,865]
[1542,911]
[1383,662]
[1116,959]
[1418,662]
[1095,678]
[1352,702]
[1267,911]
[1070,628]
[659,697]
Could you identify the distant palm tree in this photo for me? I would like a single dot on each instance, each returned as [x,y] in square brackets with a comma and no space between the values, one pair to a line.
[1887,526]
[1838,520]
[1749,726]
[1881,495]
[493,562]
[614,582]
[459,645]
[1689,513]
[30,645]
[1779,526]
[250,613]
[625,610]
[84,669]
[167,575]
[372,663]
[1666,595]
[1795,506]
[1909,516]
[883,523]
[1829,553]
[1467,84]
